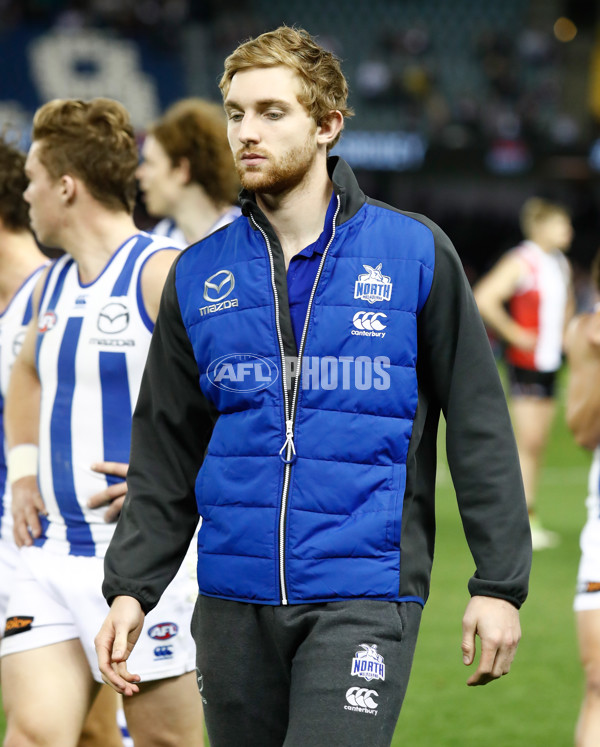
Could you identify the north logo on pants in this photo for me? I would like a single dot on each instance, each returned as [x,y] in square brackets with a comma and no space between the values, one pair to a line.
[368,664]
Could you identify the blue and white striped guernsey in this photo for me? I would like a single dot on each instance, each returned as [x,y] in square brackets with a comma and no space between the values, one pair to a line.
[91,350]
[13,321]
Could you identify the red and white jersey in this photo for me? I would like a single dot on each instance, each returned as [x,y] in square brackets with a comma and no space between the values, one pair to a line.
[539,304]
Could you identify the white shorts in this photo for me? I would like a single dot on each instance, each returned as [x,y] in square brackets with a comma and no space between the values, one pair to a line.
[587,596]
[9,556]
[57,598]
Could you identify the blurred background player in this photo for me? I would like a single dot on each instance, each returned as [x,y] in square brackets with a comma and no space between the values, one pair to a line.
[583,418]
[21,263]
[187,173]
[534,280]
[72,389]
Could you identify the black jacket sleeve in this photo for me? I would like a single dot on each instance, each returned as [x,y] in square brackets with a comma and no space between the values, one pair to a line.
[461,375]
[172,424]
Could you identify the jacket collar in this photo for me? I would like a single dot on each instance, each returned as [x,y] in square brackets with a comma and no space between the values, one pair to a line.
[344,184]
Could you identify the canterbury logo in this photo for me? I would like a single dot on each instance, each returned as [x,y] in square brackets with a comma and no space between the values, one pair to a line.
[113,318]
[362,697]
[163,651]
[369,320]
[219,286]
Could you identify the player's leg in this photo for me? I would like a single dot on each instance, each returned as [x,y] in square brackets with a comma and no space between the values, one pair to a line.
[243,677]
[351,673]
[9,555]
[168,710]
[588,632]
[47,684]
[166,713]
[100,728]
[532,420]
[46,695]
[587,609]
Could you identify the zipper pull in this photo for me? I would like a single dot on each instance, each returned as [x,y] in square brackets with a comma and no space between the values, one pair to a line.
[289,441]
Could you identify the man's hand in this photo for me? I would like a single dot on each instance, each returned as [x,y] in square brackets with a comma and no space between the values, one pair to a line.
[27,505]
[115,641]
[496,622]
[114,495]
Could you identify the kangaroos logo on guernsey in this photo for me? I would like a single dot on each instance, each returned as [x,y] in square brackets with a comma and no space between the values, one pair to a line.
[17,624]
[373,286]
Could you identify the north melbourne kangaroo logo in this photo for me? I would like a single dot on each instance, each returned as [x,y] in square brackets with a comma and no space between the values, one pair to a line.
[368,664]
[374,286]
[113,318]
[219,286]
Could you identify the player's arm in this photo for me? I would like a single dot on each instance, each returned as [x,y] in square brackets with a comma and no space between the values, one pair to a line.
[152,280]
[583,391]
[115,641]
[493,291]
[21,423]
[171,426]
[457,371]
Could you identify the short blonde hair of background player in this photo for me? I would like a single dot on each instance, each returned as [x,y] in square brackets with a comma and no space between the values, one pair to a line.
[535,210]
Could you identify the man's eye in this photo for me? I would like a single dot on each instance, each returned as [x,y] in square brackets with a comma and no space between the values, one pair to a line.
[234,116]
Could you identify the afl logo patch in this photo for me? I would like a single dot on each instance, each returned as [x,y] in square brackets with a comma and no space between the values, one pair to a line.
[47,321]
[163,631]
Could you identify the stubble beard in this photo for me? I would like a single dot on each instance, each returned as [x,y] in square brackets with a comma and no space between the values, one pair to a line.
[277,177]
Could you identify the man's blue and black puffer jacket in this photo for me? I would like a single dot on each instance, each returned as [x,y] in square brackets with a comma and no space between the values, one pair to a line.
[313,464]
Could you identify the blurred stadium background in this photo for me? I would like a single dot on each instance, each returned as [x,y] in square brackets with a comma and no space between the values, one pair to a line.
[464,108]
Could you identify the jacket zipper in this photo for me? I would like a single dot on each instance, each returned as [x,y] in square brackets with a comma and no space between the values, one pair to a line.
[290,413]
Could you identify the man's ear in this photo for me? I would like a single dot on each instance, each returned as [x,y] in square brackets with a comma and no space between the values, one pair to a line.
[330,127]
[68,188]
[184,170]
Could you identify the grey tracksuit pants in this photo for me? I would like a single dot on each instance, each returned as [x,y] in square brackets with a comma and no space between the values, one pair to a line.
[311,675]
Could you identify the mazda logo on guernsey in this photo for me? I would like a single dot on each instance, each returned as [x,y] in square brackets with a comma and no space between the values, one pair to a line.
[18,342]
[242,372]
[113,318]
[219,286]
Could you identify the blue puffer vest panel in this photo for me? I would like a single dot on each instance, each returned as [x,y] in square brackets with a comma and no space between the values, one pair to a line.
[301,490]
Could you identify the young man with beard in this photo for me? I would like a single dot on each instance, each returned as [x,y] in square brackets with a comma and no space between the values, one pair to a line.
[187,172]
[71,393]
[297,418]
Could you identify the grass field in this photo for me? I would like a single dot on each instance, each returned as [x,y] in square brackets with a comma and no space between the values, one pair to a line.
[538,702]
